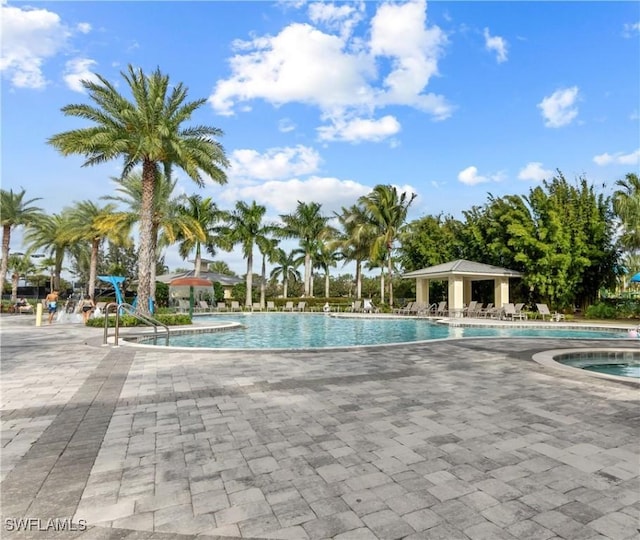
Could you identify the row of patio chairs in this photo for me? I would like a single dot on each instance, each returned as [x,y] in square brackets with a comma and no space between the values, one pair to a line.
[508,311]
[203,306]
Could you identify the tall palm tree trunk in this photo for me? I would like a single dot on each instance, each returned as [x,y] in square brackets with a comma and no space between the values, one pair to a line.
[93,267]
[6,238]
[152,269]
[358,278]
[263,283]
[382,286]
[390,269]
[326,284]
[285,285]
[307,273]
[146,237]
[249,299]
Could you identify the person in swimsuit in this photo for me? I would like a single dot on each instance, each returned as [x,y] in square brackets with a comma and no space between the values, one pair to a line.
[88,305]
[51,301]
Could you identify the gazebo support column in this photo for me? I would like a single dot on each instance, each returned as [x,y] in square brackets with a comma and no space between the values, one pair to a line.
[422,291]
[467,292]
[501,288]
[456,296]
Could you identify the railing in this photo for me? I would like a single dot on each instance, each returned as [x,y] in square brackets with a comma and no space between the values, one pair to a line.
[130,310]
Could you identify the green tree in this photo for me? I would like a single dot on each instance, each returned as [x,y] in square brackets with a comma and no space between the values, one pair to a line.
[354,239]
[15,211]
[325,259]
[199,217]
[94,224]
[221,267]
[388,210]
[166,220]
[286,267]
[267,247]
[309,226]
[149,131]
[244,226]
[19,266]
[626,205]
[51,234]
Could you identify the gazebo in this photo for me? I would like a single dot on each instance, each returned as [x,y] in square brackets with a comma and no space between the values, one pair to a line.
[460,274]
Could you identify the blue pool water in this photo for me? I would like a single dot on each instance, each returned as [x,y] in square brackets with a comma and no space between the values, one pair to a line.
[296,331]
[621,364]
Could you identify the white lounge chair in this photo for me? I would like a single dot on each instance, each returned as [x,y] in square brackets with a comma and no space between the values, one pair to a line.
[288,306]
[509,312]
[544,311]
[271,305]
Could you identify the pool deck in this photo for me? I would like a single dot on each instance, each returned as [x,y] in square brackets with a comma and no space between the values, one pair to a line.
[460,439]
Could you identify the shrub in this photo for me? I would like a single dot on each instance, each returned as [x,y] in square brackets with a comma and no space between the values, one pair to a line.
[601,311]
[170,319]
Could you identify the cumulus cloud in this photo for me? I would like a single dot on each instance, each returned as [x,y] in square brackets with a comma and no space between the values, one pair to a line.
[344,77]
[29,37]
[84,28]
[283,195]
[274,163]
[360,129]
[497,44]
[534,172]
[619,158]
[471,177]
[559,108]
[78,70]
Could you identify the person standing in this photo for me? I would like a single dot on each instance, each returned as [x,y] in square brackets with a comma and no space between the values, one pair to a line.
[51,302]
[88,305]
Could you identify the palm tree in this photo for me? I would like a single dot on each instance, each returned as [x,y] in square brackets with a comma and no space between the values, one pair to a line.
[626,204]
[388,211]
[325,258]
[221,267]
[309,226]
[51,234]
[356,238]
[15,211]
[147,131]
[244,226]
[165,218]
[287,268]
[200,215]
[19,265]
[92,223]
[268,249]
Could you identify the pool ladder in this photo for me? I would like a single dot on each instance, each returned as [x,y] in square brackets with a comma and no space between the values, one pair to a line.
[130,310]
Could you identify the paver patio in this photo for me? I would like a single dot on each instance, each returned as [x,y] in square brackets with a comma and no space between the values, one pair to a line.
[453,439]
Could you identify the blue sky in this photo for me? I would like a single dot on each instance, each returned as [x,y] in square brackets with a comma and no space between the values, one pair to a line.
[320,101]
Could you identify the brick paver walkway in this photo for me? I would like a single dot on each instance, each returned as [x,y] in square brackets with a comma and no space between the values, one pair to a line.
[464,439]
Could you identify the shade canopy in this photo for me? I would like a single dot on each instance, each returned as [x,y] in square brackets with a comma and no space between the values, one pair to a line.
[190,282]
[635,278]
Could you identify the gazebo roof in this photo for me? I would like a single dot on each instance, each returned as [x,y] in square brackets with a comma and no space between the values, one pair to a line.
[462,267]
[224,280]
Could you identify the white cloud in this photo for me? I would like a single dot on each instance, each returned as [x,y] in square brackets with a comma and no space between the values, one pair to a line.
[283,195]
[618,158]
[629,30]
[29,37]
[286,125]
[83,28]
[78,70]
[559,108]
[470,176]
[360,129]
[497,44]
[343,76]
[274,163]
[533,171]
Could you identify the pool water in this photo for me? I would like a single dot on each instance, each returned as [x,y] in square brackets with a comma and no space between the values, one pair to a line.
[620,364]
[298,331]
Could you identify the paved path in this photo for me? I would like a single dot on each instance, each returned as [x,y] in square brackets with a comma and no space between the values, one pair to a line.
[464,439]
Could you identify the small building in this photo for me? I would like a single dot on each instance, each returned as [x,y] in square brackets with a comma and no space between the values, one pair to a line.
[460,274]
[227,282]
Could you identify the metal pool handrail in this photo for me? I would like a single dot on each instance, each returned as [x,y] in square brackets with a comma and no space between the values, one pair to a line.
[150,321]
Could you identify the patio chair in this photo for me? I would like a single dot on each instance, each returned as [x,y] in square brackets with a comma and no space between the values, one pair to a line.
[544,311]
[477,311]
[509,312]
[256,306]
[28,309]
[288,306]
[183,306]
[402,310]
[442,309]
[519,307]
[470,309]
[368,307]
[271,305]
[356,306]
[300,306]
[235,306]
[221,306]
[486,310]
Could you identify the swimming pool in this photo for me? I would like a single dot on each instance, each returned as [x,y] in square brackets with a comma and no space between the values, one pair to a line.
[620,363]
[311,331]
